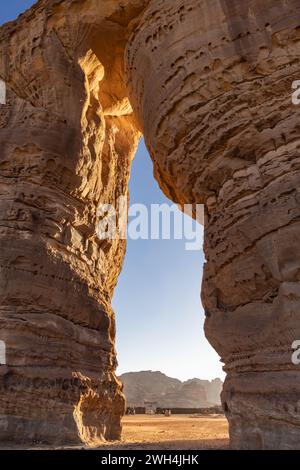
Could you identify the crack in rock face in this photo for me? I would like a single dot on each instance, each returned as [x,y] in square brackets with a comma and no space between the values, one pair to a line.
[209,85]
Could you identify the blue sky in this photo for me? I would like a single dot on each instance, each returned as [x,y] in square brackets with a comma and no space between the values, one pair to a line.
[157,300]
[9,10]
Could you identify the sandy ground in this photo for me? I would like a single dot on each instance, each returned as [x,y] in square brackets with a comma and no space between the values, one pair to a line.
[178,432]
[181,432]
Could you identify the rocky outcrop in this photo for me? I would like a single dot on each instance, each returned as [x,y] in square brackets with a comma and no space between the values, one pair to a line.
[166,392]
[212,389]
[218,119]
[67,139]
[210,84]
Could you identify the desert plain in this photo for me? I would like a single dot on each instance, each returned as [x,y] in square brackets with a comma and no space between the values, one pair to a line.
[184,432]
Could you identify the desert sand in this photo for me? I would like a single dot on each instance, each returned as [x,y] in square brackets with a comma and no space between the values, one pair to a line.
[146,432]
[186,432]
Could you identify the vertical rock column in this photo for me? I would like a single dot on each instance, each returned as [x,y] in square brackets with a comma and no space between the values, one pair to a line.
[66,143]
[211,84]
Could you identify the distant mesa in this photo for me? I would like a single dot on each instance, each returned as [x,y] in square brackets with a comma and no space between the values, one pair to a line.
[156,387]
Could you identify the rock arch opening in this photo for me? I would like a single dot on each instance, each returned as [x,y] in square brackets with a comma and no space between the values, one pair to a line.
[157,300]
[220,126]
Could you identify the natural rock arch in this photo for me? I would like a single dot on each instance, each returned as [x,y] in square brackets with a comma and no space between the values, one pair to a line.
[210,84]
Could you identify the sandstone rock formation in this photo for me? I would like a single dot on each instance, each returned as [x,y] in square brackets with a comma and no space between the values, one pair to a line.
[168,392]
[67,139]
[210,83]
[218,119]
[212,389]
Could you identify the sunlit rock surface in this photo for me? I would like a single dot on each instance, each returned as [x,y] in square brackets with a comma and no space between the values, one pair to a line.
[67,139]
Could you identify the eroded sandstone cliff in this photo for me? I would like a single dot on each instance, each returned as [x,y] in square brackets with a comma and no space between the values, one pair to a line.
[67,139]
[210,84]
[166,392]
[218,119]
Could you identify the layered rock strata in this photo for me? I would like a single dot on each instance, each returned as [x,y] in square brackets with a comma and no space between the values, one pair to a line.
[67,139]
[211,83]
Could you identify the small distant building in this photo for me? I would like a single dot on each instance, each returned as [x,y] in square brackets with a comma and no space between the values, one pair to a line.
[150,407]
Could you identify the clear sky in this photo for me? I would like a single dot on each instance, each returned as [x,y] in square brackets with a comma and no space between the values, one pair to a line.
[157,300]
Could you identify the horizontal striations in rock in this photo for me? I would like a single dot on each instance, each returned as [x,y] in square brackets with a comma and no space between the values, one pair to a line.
[211,85]
[67,138]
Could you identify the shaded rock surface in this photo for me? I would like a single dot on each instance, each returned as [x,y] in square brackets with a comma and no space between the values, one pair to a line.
[148,386]
[210,84]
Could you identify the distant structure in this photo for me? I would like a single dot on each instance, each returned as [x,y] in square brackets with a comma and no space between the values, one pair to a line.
[150,407]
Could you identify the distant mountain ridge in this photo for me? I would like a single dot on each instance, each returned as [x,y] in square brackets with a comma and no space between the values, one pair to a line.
[157,387]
